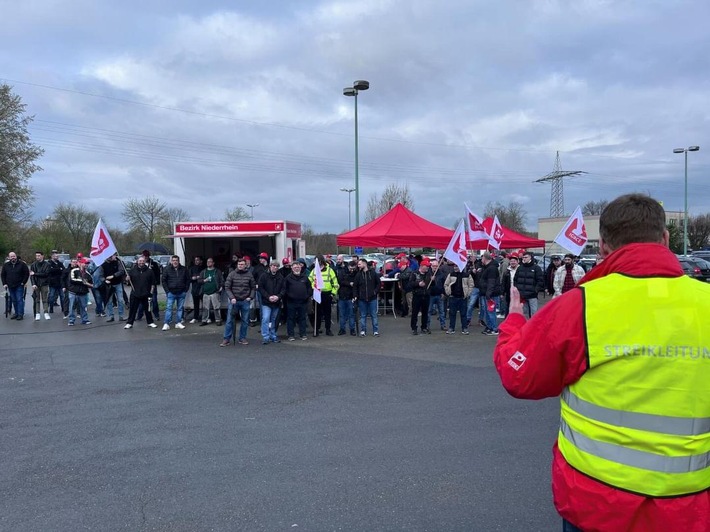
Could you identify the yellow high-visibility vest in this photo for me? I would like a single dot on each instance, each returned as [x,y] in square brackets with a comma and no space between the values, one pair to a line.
[639,418]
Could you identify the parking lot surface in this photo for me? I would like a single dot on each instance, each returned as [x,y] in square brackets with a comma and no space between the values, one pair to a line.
[112,429]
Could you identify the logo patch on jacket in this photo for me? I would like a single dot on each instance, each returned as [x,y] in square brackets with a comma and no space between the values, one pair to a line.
[517,360]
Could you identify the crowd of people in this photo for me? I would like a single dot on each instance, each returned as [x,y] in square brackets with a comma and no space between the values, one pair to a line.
[275,294]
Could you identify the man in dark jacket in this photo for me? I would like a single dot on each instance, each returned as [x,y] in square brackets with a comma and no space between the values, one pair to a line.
[39,278]
[176,282]
[436,293]
[529,280]
[491,290]
[56,268]
[272,288]
[555,263]
[15,274]
[346,306]
[366,286]
[195,273]
[142,282]
[240,287]
[155,267]
[79,283]
[113,275]
[419,284]
[298,292]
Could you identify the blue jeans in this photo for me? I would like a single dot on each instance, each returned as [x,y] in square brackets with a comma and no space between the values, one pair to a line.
[346,310]
[368,308]
[530,307]
[118,290]
[17,295]
[98,300]
[269,321]
[83,300]
[54,295]
[438,302]
[241,308]
[490,315]
[471,303]
[457,304]
[178,299]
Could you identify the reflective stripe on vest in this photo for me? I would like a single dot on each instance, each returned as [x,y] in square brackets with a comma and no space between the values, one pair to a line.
[639,418]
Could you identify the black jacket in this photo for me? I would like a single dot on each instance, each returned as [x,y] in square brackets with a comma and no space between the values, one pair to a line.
[115,268]
[240,285]
[56,268]
[437,285]
[176,280]
[529,280]
[271,284]
[366,285]
[41,273]
[418,277]
[196,271]
[78,280]
[142,280]
[15,274]
[490,281]
[298,287]
[346,281]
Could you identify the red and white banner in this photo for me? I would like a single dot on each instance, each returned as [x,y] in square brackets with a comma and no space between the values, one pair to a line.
[102,247]
[476,231]
[495,237]
[573,236]
[317,282]
[456,251]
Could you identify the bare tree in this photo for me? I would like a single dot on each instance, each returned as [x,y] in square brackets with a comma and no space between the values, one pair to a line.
[512,216]
[169,218]
[594,208]
[698,231]
[78,223]
[144,215]
[391,196]
[236,214]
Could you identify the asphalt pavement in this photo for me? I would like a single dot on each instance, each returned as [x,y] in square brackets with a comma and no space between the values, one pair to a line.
[112,429]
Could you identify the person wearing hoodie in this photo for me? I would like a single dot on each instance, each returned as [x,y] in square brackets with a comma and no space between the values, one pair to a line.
[142,279]
[298,291]
[626,350]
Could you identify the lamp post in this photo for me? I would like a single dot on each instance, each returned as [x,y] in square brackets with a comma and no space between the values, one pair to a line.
[349,191]
[685,209]
[359,85]
[252,205]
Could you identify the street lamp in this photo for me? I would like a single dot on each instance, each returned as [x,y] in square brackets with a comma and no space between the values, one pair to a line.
[252,205]
[349,191]
[685,210]
[359,85]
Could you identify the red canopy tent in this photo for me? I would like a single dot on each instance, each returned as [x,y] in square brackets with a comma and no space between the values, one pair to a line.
[399,227]
[511,239]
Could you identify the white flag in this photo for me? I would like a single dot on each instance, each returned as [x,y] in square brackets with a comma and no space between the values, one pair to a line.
[317,282]
[573,236]
[496,235]
[102,247]
[456,251]
[476,231]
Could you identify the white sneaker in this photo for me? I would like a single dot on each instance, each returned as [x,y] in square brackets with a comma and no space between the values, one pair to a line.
[37,317]
[127,326]
[166,327]
[193,320]
[151,325]
[179,325]
[47,316]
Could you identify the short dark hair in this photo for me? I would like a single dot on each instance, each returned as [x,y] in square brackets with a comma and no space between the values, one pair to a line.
[632,218]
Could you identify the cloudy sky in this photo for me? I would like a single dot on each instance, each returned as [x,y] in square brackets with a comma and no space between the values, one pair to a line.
[215,104]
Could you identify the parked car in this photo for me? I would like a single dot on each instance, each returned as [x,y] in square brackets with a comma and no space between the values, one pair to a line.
[695,267]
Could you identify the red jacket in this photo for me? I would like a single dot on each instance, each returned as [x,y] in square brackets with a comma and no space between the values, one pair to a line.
[553,343]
